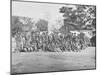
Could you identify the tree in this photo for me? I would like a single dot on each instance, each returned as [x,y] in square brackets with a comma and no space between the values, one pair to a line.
[28,23]
[59,23]
[16,26]
[21,24]
[81,16]
[42,25]
[55,30]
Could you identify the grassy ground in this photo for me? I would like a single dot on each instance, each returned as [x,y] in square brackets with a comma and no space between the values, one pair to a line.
[53,61]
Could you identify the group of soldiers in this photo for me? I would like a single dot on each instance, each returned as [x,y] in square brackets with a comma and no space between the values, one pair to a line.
[54,42]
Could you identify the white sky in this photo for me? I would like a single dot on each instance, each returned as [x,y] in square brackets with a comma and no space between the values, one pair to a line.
[45,11]
[36,10]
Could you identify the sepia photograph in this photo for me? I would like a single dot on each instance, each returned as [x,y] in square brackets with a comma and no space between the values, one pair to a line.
[52,37]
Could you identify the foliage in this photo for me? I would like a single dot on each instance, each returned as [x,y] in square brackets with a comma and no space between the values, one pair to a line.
[21,24]
[42,25]
[81,15]
[16,25]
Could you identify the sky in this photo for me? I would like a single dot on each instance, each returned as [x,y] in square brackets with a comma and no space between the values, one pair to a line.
[36,11]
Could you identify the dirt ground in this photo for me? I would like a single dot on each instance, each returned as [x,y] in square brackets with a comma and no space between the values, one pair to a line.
[53,61]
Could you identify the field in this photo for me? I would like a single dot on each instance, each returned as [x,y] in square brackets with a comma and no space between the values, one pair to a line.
[53,61]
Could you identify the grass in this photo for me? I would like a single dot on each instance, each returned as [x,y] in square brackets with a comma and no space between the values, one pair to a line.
[53,61]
